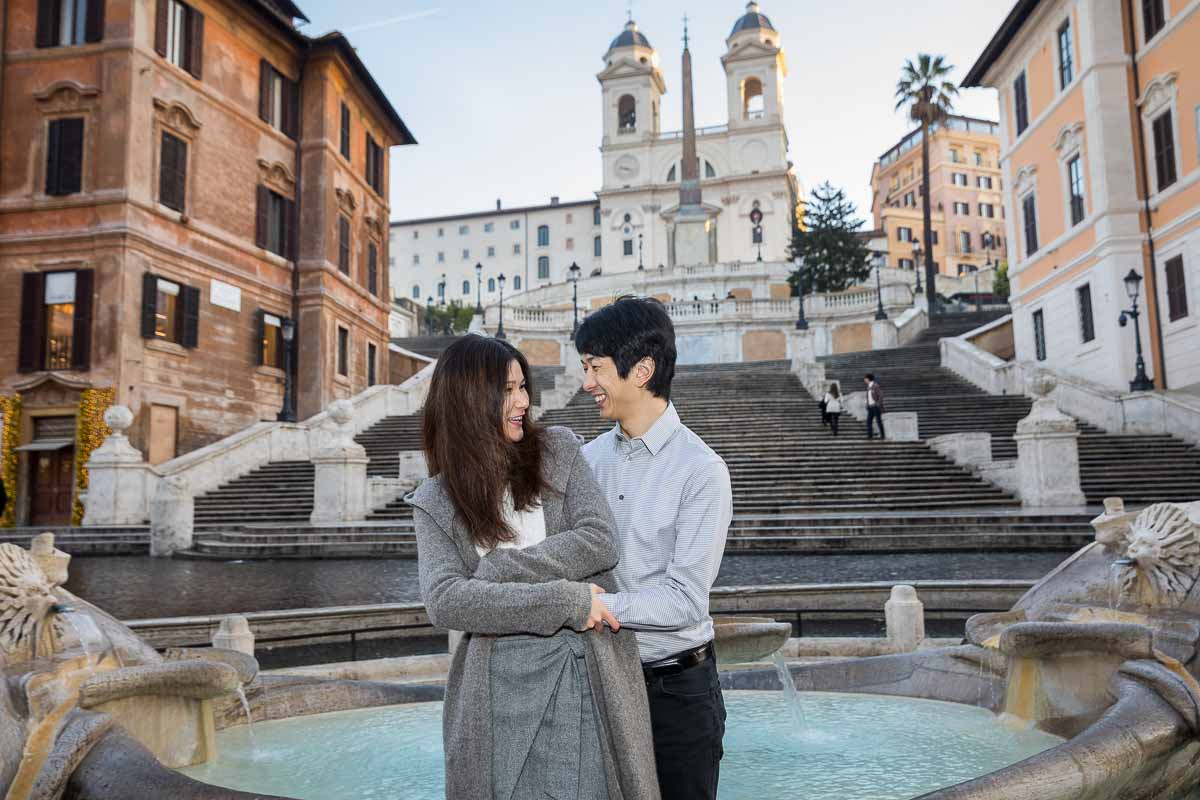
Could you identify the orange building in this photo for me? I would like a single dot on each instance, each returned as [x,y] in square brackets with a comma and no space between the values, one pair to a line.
[1098,121]
[178,183]
[965,194]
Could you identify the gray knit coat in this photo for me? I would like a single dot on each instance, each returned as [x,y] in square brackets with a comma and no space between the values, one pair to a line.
[537,590]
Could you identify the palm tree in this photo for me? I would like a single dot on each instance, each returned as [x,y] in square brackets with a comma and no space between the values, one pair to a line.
[930,97]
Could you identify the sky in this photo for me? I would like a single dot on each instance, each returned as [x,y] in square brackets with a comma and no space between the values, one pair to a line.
[503,100]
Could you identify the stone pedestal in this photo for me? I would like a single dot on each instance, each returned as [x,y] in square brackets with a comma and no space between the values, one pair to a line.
[901,426]
[905,616]
[856,404]
[340,487]
[234,634]
[476,325]
[802,348]
[693,240]
[413,468]
[884,335]
[118,477]
[1048,452]
[172,517]
[967,449]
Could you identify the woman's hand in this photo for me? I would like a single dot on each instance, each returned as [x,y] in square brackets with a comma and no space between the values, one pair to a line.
[599,615]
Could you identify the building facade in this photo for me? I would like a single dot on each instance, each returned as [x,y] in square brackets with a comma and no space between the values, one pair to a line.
[182,183]
[965,192]
[743,166]
[1099,115]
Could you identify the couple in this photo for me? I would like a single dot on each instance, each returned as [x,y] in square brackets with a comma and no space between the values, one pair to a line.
[579,576]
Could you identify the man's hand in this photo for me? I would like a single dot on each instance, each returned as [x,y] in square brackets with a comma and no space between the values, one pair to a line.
[599,615]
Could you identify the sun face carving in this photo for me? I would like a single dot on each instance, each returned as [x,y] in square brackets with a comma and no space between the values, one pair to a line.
[25,602]
[1162,559]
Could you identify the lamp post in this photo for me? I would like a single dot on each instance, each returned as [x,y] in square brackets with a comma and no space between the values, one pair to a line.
[442,291]
[756,216]
[500,327]
[641,266]
[1140,382]
[286,412]
[988,241]
[879,312]
[573,276]
[429,315]
[479,288]
[801,322]
[917,264]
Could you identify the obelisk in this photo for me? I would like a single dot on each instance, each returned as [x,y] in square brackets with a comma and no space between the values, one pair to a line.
[693,240]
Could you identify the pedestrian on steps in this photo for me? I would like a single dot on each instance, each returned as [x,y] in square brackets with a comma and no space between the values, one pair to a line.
[874,405]
[833,406]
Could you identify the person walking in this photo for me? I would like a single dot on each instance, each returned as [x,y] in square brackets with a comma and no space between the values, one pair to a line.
[833,406]
[874,405]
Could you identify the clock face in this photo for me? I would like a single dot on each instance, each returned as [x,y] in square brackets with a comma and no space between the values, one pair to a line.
[626,167]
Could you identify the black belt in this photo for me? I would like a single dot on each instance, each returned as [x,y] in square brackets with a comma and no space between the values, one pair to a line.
[677,663]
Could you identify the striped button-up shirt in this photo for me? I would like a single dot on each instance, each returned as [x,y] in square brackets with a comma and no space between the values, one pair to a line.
[671,496]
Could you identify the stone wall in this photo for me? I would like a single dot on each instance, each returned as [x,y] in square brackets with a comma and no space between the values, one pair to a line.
[997,340]
[851,338]
[764,346]
[541,352]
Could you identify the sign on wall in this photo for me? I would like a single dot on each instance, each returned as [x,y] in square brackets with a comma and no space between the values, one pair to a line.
[226,296]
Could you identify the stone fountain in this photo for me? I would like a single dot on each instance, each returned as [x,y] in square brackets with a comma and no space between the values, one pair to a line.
[88,710]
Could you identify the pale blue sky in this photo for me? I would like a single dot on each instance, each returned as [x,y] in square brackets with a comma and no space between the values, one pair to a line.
[503,99]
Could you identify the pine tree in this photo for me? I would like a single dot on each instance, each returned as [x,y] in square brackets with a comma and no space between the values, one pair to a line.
[827,240]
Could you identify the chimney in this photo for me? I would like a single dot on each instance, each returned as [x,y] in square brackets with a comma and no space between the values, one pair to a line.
[554,200]
[497,203]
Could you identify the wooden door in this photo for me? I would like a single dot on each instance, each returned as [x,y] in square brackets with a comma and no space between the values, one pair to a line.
[164,424]
[53,480]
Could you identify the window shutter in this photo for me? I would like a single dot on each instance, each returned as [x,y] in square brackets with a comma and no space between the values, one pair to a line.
[33,321]
[149,304]
[285,228]
[262,209]
[372,269]
[291,108]
[264,90]
[260,333]
[95,21]
[53,159]
[48,22]
[166,169]
[191,316]
[160,28]
[279,345]
[70,155]
[81,341]
[345,142]
[370,153]
[195,43]
[173,172]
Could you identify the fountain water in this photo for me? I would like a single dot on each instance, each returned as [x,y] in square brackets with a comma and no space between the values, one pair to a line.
[790,695]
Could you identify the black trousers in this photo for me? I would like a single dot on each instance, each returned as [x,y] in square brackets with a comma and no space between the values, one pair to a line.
[874,413]
[687,715]
[833,421]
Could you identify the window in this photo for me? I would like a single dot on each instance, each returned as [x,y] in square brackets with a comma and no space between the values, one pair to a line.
[172,172]
[463,230]
[466,287]
[416,291]
[987,210]
[962,209]
[543,268]
[416,258]
[56,320]
[179,35]
[935,237]
[441,232]
[960,178]
[466,254]
[978,159]
[1177,306]
[372,357]
[274,222]
[374,173]
[62,23]
[64,156]
[910,199]
[627,247]
[955,155]
[441,256]
[373,268]
[343,245]
[596,246]
[1087,325]
[709,172]
[491,251]
[904,234]
[269,335]
[1066,62]
[1075,186]
[595,215]
[1039,335]
[170,311]
[543,236]
[488,227]
[516,283]
[570,219]
[1029,213]
[983,181]
[278,99]
[491,284]
[343,352]
[1153,18]
[965,268]
[516,249]
[964,241]
[906,263]
[514,225]
[1164,150]
[570,243]
[626,114]
[344,145]
[1020,104]
[671,174]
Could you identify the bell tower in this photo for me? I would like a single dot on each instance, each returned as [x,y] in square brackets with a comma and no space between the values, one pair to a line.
[631,90]
[754,70]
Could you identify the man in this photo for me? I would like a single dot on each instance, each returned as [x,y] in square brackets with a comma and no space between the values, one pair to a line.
[874,406]
[672,500]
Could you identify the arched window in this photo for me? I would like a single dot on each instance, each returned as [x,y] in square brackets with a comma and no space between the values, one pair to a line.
[626,113]
[491,284]
[596,272]
[416,293]
[596,247]
[596,215]
[543,236]
[543,267]
[466,287]
[709,172]
[516,283]
[671,174]
[752,99]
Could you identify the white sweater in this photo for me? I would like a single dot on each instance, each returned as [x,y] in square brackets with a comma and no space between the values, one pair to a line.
[833,405]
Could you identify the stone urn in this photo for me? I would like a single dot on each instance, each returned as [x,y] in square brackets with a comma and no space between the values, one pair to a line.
[744,639]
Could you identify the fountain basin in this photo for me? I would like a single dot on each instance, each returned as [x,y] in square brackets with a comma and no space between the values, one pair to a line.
[743,639]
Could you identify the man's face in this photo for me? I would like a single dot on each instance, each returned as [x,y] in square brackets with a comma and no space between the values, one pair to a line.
[613,395]
[867,381]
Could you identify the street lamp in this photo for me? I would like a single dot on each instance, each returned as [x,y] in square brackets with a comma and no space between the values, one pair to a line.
[573,276]
[917,264]
[988,241]
[286,412]
[479,288]
[500,327]
[641,266]
[1140,382]
[801,322]
[879,312]
[442,291]
[429,315]
[756,216]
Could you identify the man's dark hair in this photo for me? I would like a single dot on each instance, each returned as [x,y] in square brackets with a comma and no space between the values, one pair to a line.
[629,330]
[871,377]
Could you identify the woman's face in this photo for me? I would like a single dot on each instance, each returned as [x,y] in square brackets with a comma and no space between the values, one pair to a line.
[516,403]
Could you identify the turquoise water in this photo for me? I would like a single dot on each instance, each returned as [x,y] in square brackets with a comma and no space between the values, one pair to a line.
[852,746]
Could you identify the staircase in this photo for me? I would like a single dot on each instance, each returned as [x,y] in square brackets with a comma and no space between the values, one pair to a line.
[1141,469]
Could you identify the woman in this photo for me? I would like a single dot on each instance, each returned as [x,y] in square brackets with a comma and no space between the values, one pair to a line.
[545,697]
[833,406]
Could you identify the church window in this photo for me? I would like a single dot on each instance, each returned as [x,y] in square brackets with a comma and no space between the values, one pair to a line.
[543,267]
[516,249]
[627,247]
[491,284]
[752,99]
[543,235]
[416,291]
[516,283]
[466,287]
[671,174]
[596,247]
[595,215]
[709,172]
[628,218]
[626,114]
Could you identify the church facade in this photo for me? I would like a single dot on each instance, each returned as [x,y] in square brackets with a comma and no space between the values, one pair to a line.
[742,167]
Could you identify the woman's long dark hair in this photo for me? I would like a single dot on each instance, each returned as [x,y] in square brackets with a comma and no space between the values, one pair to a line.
[834,392]
[463,437]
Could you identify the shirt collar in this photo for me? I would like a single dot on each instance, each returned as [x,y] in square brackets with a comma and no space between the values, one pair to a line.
[659,433]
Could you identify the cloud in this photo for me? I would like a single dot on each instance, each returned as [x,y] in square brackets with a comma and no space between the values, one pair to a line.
[382,23]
